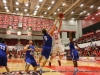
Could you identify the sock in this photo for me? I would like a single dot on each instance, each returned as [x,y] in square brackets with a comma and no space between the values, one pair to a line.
[40,68]
[75,68]
[35,72]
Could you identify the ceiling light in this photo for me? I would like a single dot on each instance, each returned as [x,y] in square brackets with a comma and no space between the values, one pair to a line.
[7,10]
[58,9]
[84,11]
[35,11]
[17,8]
[91,6]
[52,2]
[81,13]
[4,1]
[17,3]
[34,14]
[81,5]
[92,18]
[6,7]
[25,10]
[55,13]
[96,14]
[38,6]
[26,4]
[63,4]
[45,13]
[49,8]
[88,14]
[72,12]
[99,7]
[40,0]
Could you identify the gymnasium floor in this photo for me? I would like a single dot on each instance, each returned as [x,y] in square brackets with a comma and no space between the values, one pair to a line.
[85,68]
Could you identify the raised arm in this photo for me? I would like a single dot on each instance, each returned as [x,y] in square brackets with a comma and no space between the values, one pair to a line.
[70,35]
[53,29]
[59,28]
[26,48]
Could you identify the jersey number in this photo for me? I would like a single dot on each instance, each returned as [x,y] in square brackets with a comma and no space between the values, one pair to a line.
[45,38]
[2,47]
[56,36]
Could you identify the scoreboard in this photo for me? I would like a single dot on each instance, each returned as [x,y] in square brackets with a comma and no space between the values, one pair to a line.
[37,24]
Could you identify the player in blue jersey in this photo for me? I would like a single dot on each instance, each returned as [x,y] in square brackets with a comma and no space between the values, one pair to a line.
[74,53]
[3,54]
[30,57]
[47,38]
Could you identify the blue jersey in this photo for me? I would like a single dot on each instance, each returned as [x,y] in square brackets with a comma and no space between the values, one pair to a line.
[47,40]
[2,50]
[71,46]
[28,51]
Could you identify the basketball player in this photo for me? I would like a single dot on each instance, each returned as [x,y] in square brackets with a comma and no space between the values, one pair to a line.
[57,46]
[47,38]
[74,54]
[3,54]
[30,58]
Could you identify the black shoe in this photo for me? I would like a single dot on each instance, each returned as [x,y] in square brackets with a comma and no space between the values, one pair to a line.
[35,73]
[59,62]
[40,71]
[49,63]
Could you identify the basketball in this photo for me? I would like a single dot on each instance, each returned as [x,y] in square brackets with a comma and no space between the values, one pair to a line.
[61,15]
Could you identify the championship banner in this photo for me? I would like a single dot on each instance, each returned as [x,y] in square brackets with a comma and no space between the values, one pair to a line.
[22,21]
[87,59]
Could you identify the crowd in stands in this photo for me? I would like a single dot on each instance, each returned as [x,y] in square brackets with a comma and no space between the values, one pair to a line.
[89,37]
[91,50]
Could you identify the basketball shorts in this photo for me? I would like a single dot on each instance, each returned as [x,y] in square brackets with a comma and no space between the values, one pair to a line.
[74,55]
[46,51]
[3,61]
[57,48]
[31,60]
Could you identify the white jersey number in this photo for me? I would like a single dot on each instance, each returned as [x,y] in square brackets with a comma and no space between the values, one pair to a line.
[45,38]
[2,47]
[56,36]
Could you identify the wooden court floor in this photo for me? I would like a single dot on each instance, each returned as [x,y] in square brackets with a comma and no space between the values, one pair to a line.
[66,68]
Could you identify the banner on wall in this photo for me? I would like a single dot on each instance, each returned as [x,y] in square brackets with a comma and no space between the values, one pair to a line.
[97,58]
[17,47]
[87,59]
